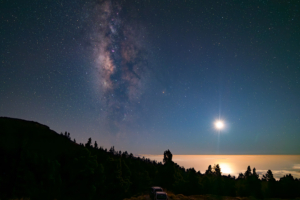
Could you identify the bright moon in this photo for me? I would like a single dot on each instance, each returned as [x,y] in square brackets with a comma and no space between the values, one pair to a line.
[219,124]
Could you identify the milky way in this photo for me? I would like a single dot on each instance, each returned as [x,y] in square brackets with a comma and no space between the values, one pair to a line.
[120,60]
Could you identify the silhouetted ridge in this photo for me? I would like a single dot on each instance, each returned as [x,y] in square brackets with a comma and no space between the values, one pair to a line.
[15,121]
[17,134]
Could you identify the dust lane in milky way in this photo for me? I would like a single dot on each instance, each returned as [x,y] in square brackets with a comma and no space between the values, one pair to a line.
[120,63]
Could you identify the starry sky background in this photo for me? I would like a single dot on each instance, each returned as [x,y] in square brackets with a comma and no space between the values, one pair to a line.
[146,76]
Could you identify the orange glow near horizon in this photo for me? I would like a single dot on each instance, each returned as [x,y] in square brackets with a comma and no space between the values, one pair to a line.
[225,168]
[235,164]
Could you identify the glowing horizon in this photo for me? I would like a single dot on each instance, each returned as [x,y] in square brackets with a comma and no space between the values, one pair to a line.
[235,164]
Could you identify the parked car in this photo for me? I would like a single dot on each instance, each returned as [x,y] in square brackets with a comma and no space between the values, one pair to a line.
[153,191]
[161,196]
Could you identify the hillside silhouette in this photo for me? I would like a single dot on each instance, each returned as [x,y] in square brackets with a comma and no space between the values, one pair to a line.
[38,163]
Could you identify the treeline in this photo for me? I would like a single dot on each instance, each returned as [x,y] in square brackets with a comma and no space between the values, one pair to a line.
[190,182]
[38,163]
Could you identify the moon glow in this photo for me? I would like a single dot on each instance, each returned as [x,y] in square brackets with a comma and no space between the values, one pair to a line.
[225,168]
[219,125]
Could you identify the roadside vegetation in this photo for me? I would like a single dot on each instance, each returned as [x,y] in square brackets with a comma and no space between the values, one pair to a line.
[199,197]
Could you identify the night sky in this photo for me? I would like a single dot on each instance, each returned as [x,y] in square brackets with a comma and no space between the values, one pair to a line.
[147,76]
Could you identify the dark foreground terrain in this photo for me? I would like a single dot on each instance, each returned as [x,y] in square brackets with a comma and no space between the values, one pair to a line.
[198,197]
[38,163]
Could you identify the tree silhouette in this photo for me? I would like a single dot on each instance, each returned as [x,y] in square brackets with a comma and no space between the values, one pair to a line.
[112,150]
[241,176]
[89,143]
[217,179]
[288,188]
[251,183]
[167,156]
[209,171]
[254,173]
[95,145]
[248,173]
[217,170]
[125,154]
[193,182]
[271,190]
[268,176]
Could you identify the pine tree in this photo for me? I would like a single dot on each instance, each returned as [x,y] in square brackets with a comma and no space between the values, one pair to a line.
[167,156]
[248,172]
[217,170]
[254,173]
[89,143]
[209,171]
[241,176]
[268,176]
[112,150]
[95,145]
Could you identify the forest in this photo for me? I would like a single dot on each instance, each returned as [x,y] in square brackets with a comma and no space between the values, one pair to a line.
[38,163]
